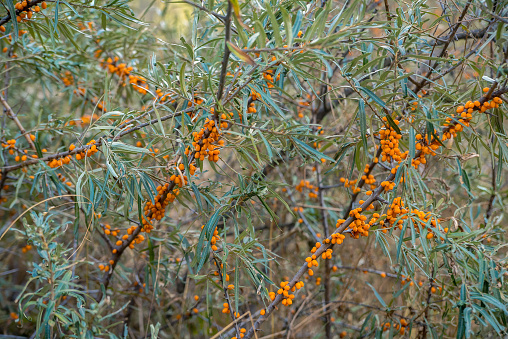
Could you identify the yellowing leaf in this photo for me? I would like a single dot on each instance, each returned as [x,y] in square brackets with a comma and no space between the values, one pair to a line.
[236,9]
[241,54]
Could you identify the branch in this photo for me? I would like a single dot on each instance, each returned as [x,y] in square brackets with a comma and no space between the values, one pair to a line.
[98,143]
[6,18]
[226,295]
[225,57]
[477,33]
[328,325]
[119,250]
[362,182]
[13,116]
[318,253]
[500,18]
[445,48]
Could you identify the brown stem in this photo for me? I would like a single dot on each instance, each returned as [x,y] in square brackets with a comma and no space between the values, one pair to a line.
[6,18]
[328,268]
[362,182]
[225,57]
[13,116]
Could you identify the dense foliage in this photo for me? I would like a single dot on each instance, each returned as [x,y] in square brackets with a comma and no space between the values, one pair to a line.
[296,169]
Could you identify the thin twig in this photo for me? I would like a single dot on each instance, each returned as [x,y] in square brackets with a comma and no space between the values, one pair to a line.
[13,116]
[225,57]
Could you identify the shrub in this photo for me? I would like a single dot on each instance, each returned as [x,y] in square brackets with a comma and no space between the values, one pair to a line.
[172,177]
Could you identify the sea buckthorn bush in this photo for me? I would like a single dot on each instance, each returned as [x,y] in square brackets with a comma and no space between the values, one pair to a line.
[176,169]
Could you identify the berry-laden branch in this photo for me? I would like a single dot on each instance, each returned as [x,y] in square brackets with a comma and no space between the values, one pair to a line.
[424,146]
[368,170]
[203,143]
[228,305]
[85,148]
[317,253]
[25,6]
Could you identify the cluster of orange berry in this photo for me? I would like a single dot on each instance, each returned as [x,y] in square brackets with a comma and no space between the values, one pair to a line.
[140,289]
[311,262]
[395,210]
[120,240]
[85,120]
[337,238]
[229,74]
[153,151]
[25,11]
[422,223]
[81,155]
[80,91]
[55,163]
[390,143]
[350,183]
[138,83]
[163,97]
[359,227]
[255,95]
[83,27]
[306,184]
[67,78]
[157,210]
[242,333]
[105,268]
[23,157]
[10,144]
[213,241]
[424,147]
[399,327]
[197,101]
[268,76]
[369,178]
[121,69]
[26,248]
[180,179]
[284,290]
[216,273]
[109,231]
[9,39]
[252,108]
[388,185]
[225,308]
[203,146]
[396,215]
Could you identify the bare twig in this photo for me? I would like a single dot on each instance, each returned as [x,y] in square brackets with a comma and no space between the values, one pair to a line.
[225,57]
